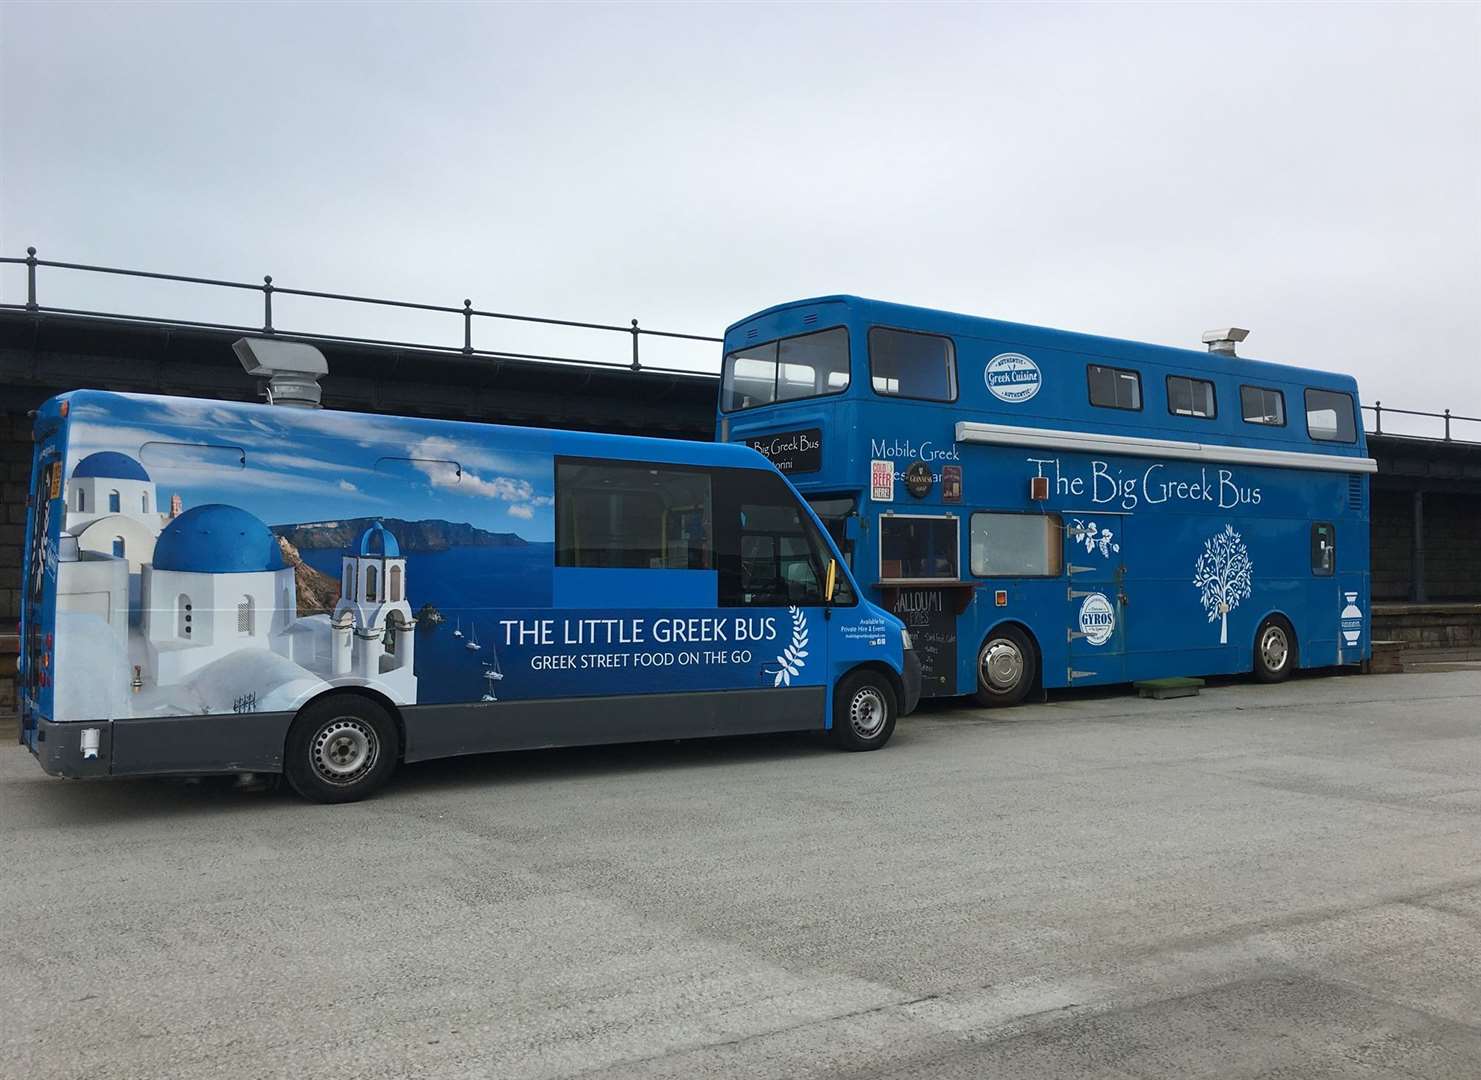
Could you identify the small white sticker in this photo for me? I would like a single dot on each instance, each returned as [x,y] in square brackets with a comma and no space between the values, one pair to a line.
[1097,619]
[882,481]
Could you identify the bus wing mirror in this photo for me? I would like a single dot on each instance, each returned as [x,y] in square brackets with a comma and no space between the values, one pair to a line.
[832,582]
[851,527]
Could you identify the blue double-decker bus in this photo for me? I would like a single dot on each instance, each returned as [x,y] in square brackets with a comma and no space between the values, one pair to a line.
[1049,509]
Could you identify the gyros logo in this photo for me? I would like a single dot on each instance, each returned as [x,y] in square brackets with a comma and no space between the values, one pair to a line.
[1012,377]
[1097,619]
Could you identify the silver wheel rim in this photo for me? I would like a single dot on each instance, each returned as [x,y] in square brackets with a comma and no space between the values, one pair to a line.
[1275,650]
[1001,664]
[867,712]
[344,750]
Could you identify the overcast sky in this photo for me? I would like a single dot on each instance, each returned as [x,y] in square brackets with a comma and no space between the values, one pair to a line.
[1311,172]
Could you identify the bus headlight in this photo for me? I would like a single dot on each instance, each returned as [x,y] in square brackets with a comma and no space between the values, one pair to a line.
[905,640]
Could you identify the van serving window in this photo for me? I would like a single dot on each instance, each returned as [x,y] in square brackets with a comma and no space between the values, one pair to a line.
[1114,388]
[628,515]
[809,365]
[910,365]
[1191,397]
[1260,405]
[1329,416]
[1017,545]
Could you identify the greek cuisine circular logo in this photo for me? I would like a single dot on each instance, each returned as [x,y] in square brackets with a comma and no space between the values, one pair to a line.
[1012,377]
[1097,619]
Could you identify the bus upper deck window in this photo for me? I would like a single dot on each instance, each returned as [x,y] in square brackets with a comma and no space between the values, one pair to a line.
[1260,405]
[1114,388]
[1191,397]
[911,365]
[805,366]
[1329,416]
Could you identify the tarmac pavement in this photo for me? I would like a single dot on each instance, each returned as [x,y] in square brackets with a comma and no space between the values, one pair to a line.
[1263,881]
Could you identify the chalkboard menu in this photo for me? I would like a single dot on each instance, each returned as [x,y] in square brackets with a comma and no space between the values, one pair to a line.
[791,451]
[930,616]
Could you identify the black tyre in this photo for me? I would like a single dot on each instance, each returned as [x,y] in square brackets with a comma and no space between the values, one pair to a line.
[1007,665]
[1275,650]
[864,711]
[340,749]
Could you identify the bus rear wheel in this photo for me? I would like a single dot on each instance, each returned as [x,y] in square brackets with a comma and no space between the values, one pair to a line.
[864,711]
[1275,650]
[1006,666]
[340,749]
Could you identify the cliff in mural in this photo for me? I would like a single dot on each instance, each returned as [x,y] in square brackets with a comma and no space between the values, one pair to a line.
[415,536]
[318,593]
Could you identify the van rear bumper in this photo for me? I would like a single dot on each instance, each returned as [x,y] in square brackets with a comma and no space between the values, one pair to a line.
[58,749]
[911,677]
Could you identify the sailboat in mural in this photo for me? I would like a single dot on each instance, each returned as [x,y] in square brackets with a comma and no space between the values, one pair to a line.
[458,627]
[491,675]
[472,644]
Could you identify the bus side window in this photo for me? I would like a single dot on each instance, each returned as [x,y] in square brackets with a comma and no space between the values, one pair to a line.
[1323,549]
[767,549]
[630,515]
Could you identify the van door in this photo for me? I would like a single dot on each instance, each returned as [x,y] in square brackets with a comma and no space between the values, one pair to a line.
[1096,599]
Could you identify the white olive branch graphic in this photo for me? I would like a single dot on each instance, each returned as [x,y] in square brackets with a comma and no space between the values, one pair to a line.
[794,657]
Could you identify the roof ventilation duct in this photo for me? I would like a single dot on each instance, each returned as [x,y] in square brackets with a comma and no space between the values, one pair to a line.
[291,368]
[1223,341]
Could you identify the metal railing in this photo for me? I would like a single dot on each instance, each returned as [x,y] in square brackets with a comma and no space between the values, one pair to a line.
[1378,410]
[467,313]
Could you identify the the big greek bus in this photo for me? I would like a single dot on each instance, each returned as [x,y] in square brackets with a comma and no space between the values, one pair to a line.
[1049,509]
[240,588]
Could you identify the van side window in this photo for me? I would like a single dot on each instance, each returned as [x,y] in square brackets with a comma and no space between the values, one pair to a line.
[1191,397]
[1260,405]
[633,516]
[1114,388]
[1329,417]
[1323,549]
[910,365]
[767,549]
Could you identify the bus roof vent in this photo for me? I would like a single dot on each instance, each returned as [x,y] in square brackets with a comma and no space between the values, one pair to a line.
[1223,341]
[291,368]
[810,318]
[752,334]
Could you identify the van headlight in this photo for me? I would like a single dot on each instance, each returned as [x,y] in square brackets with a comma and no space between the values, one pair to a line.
[905,639]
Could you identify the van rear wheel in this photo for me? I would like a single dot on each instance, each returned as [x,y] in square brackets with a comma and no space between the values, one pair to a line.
[864,711]
[1006,666]
[340,749]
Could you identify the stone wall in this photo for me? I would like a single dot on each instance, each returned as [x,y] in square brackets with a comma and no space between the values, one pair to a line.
[1431,626]
[15,478]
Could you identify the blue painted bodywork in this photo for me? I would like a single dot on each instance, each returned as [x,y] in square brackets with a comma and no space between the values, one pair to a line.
[1160,512]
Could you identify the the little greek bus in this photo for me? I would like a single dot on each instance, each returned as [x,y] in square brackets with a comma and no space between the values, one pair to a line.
[1047,509]
[215,587]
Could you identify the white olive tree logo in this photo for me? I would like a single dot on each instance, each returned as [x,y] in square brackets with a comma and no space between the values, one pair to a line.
[1225,573]
[794,657]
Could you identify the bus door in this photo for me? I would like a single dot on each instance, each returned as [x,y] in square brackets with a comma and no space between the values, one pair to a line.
[1095,614]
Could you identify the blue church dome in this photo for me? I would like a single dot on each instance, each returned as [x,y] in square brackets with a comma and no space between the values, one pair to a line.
[378,542]
[110,464]
[217,539]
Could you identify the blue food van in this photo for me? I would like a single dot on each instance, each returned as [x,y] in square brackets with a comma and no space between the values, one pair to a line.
[1048,509]
[233,588]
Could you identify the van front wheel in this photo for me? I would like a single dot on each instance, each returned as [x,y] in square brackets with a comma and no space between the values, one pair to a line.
[864,711]
[340,749]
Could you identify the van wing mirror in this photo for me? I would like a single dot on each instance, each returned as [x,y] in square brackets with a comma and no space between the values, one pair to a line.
[831,583]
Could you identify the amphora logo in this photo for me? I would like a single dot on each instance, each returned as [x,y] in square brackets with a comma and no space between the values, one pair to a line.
[1097,619]
[1012,377]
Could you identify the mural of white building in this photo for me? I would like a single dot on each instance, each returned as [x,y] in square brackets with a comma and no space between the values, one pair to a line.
[214,607]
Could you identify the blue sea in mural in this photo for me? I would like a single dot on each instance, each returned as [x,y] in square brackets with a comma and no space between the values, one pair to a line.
[467,585]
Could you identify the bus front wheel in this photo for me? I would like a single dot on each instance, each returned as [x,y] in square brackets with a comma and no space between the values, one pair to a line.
[1275,650]
[1006,666]
[340,749]
[864,711]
